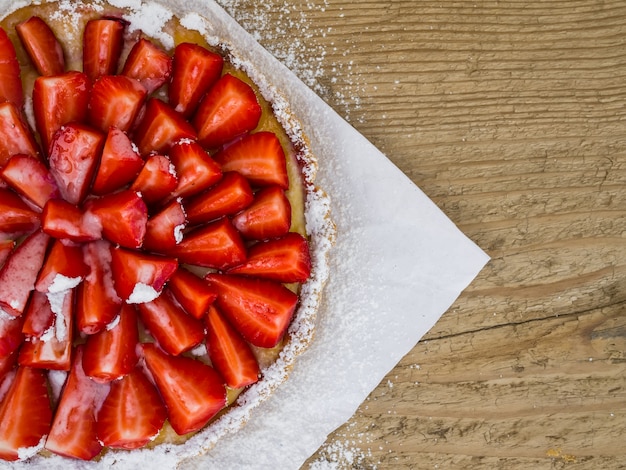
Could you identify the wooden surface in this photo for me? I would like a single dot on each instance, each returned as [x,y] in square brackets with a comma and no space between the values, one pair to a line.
[511,116]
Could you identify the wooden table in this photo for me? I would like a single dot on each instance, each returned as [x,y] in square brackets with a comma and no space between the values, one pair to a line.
[511,116]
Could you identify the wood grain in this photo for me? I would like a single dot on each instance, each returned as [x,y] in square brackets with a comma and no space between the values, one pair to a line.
[511,116]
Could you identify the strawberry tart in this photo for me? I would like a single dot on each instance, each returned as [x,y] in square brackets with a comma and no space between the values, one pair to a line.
[162,242]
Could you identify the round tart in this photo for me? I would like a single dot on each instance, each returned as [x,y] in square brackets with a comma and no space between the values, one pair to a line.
[162,242]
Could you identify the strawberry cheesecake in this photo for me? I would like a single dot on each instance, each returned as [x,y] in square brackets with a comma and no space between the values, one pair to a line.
[162,242]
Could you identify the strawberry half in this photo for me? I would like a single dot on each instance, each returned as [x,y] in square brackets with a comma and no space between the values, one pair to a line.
[16,218]
[103,40]
[148,64]
[164,230]
[119,164]
[115,101]
[38,316]
[29,177]
[63,268]
[42,46]
[10,75]
[195,169]
[269,216]
[156,180]
[16,135]
[193,293]
[60,219]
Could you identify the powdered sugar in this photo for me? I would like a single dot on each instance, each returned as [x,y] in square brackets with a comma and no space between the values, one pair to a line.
[63,283]
[142,293]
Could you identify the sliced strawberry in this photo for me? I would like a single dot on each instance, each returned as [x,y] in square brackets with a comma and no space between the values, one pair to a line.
[63,269]
[19,273]
[285,259]
[149,64]
[269,216]
[102,46]
[60,219]
[229,109]
[58,100]
[74,154]
[115,101]
[165,229]
[16,218]
[217,245]
[123,217]
[42,46]
[140,277]
[119,165]
[227,197]
[73,432]
[10,75]
[7,367]
[6,247]
[259,157]
[156,180]
[38,316]
[25,413]
[97,302]
[110,353]
[195,168]
[11,336]
[259,309]
[132,414]
[174,329]
[229,352]
[28,176]
[192,292]
[194,71]
[193,392]
[160,128]
[17,137]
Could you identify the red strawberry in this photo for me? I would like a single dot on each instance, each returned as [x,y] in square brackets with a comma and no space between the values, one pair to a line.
[28,176]
[38,316]
[73,432]
[132,414]
[194,71]
[285,259]
[260,310]
[269,216]
[228,110]
[10,74]
[195,169]
[7,367]
[229,352]
[115,101]
[123,217]
[174,329]
[102,45]
[74,154]
[19,273]
[193,293]
[25,413]
[16,218]
[60,219]
[11,336]
[217,245]
[148,64]
[156,180]
[110,353]
[42,46]
[119,165]
[6,247]
[140,277]
[227,197]
[165,229]
[58,100]
[16,134]
[193,392]
[64,264]
[160,128]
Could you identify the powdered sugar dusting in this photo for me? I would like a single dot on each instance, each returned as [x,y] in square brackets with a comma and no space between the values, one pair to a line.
[142,293]
[63,283]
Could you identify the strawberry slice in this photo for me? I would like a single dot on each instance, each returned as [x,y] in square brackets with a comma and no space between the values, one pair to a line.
[259,157]
[132,414]
[58,100]
[11,336]
[285,259]
[216,245]
[149,64]
[193,392]
[60,219]
[10,75]
[269,216]
[160,128]
[110,353]
[6,247]
[38,316]
[103,40]
[25,413]
[229,352]
[7,367]
[156,180]
[123,217]
[193,293]
[174,330]
[42,46]
[195,169]
[74,154]
[259,309]
[17,137]
[63,269]
[73,432]
[115,101]
[119,165]
[229,109]
[165,229]
[19,273]
[140,277]
[194,71]
[227,197]
[16,218]
[29,177]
